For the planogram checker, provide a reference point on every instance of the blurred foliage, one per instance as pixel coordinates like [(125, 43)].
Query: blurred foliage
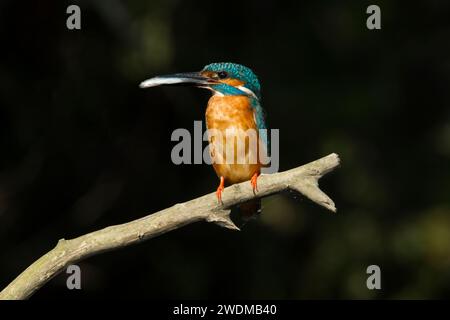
[(82, 147)]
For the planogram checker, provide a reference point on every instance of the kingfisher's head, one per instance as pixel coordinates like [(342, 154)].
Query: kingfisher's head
[(224, 78)]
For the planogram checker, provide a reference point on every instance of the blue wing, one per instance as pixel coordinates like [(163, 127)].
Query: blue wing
[(259, 115)]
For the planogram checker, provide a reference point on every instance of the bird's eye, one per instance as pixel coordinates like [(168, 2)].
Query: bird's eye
[(222, 74)]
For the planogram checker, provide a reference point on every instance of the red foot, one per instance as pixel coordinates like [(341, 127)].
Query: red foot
[(254, 182), (220, 189)]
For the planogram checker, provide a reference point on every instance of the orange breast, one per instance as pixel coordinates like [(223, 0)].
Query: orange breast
[(234, 154)]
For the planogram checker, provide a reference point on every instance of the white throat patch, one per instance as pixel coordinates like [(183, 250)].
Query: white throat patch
[(247, 90)]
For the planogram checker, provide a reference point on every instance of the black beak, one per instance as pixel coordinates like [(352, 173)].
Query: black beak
[(189, 78)]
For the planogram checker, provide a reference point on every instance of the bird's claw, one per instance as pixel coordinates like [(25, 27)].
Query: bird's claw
[(254, 182), (220, 189)]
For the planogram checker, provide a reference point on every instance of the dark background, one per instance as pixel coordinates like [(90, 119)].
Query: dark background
[(82, 147)]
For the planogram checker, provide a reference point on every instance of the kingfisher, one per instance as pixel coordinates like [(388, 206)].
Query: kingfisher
[(233, 109)]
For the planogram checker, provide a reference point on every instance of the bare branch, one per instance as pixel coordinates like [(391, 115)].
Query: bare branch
[(303, 179)]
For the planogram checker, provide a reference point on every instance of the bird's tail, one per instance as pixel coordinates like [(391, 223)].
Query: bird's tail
[(250, 209)]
